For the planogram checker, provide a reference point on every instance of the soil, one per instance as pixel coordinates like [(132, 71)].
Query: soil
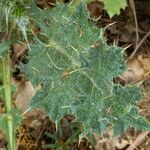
[(37, 131)]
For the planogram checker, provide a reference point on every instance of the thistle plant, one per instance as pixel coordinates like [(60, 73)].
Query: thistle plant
[(72, 63)]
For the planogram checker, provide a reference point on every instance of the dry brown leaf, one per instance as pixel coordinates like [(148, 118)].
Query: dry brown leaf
[(111, 144), (95, 8), (138, 69), (23, 95), (45, 3), (18, 49), (18, 53)]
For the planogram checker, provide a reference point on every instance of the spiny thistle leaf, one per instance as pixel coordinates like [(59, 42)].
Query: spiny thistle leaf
[(76, 77), (113, 6)]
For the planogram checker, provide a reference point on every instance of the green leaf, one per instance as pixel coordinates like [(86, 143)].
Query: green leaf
[(113, 6), (76, 77)]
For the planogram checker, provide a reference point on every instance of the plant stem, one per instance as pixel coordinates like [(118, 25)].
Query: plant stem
[(8, 101)]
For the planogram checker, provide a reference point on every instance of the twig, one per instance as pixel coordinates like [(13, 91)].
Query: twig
[(136, 23), (141, 42), (138, 140)]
